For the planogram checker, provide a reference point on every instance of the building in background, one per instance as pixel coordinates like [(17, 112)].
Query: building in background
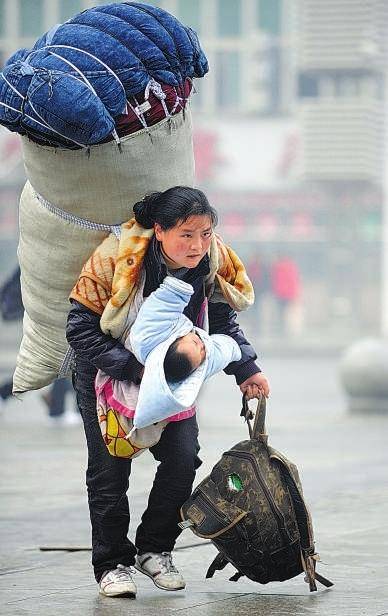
[(248, 43), (289, 144), (303, 178), (341, 58)]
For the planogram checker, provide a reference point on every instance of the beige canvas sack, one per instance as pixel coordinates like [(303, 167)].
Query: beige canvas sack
[(70, 203)]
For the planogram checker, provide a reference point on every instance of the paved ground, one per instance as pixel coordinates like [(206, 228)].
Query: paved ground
[(342, 460)]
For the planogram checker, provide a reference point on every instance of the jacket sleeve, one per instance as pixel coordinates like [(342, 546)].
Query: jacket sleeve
[(159, 316), (222, 320), (84, 335), (221, 351)]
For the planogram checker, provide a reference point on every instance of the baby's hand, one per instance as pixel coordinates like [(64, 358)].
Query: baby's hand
[(254, 386)]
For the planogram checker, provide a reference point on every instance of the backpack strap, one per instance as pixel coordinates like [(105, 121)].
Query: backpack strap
[(236, 577), (258, 429), (217, 564), (308, 555), (309, 564), (324, 581)]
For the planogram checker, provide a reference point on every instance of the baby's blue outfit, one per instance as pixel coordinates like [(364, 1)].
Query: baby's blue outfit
[(159, 323)]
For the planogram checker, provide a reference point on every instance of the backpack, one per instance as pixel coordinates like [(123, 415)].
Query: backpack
[(252, 508)]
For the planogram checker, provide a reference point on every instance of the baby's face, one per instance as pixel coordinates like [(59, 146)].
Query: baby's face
[(192, 346)]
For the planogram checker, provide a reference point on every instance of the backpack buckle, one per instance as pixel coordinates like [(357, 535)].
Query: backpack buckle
[(185, 524)]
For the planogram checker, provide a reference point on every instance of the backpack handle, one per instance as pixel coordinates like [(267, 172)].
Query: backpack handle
[(258, 429)]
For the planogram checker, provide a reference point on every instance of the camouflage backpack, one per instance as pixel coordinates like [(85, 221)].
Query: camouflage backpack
[(252, 508)]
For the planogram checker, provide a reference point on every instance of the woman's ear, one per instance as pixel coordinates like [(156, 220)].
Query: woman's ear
[(158, 231)]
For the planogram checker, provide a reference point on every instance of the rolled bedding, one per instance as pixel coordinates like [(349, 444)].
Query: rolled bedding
[(71, 87)]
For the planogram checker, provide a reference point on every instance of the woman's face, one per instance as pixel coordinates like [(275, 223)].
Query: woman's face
[(188, 241)]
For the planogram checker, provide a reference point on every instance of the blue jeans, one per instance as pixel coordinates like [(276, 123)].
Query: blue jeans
[(107, 483)]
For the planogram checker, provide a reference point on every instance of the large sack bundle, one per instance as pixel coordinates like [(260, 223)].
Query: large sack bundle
[(67, 209), (101, 104)]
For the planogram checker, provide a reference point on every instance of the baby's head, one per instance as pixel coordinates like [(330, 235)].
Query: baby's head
[(183, 357)]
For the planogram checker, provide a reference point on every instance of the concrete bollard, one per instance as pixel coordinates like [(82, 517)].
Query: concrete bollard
[(364, 376)]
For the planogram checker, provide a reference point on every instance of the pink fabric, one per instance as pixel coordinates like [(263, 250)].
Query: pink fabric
[(116, 404), (183, 414), (105, 392), (202, 314)]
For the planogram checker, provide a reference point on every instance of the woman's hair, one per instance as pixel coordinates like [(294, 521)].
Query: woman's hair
[(177, 366), (174, 205)]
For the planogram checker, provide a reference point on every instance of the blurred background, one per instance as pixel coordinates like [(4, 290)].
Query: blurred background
[(289, 146)]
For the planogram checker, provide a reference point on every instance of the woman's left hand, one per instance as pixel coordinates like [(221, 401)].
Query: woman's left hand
[(255, 385)]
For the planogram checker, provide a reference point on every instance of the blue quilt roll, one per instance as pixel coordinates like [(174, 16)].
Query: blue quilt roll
[(69, 88)]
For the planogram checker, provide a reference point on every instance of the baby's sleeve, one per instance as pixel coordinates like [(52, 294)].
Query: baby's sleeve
[(223, 350), (159, 315)]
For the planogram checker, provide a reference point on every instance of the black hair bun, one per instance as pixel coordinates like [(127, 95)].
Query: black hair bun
[(144, 210)]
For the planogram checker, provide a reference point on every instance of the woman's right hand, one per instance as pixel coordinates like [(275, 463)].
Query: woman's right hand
[(255, 385)]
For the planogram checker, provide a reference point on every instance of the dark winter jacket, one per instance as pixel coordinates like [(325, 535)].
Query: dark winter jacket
[(95, 348)]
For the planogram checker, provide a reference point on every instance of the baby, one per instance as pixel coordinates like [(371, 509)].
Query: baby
[(177, 356)]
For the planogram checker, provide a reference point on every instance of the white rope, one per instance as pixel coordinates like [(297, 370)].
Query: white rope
[(157, 90), (139, 114), (43, 123), (83, 77), (82, 145), (12, 87), (26, 115), (91, 56), (178, 100), (86, 80)]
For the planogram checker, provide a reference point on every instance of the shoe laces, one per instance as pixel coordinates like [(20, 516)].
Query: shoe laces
[(122, 572), (165, 561)]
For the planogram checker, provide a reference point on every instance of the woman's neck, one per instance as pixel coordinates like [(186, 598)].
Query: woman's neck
[(172, 265)]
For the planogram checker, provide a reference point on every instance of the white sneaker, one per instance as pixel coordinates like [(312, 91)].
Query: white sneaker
[(118, 583), (161, 569)]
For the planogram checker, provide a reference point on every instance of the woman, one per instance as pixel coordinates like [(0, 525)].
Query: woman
[(180, 242)]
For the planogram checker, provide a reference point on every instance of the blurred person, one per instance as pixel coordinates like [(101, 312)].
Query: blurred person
[(12, 309), (11, 303), (259, 274), (285, 287), (5, 392), (55, 400)]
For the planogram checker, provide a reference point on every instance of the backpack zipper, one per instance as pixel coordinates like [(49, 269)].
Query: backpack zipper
[(206, 504), (273, 506), (212, 508)]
